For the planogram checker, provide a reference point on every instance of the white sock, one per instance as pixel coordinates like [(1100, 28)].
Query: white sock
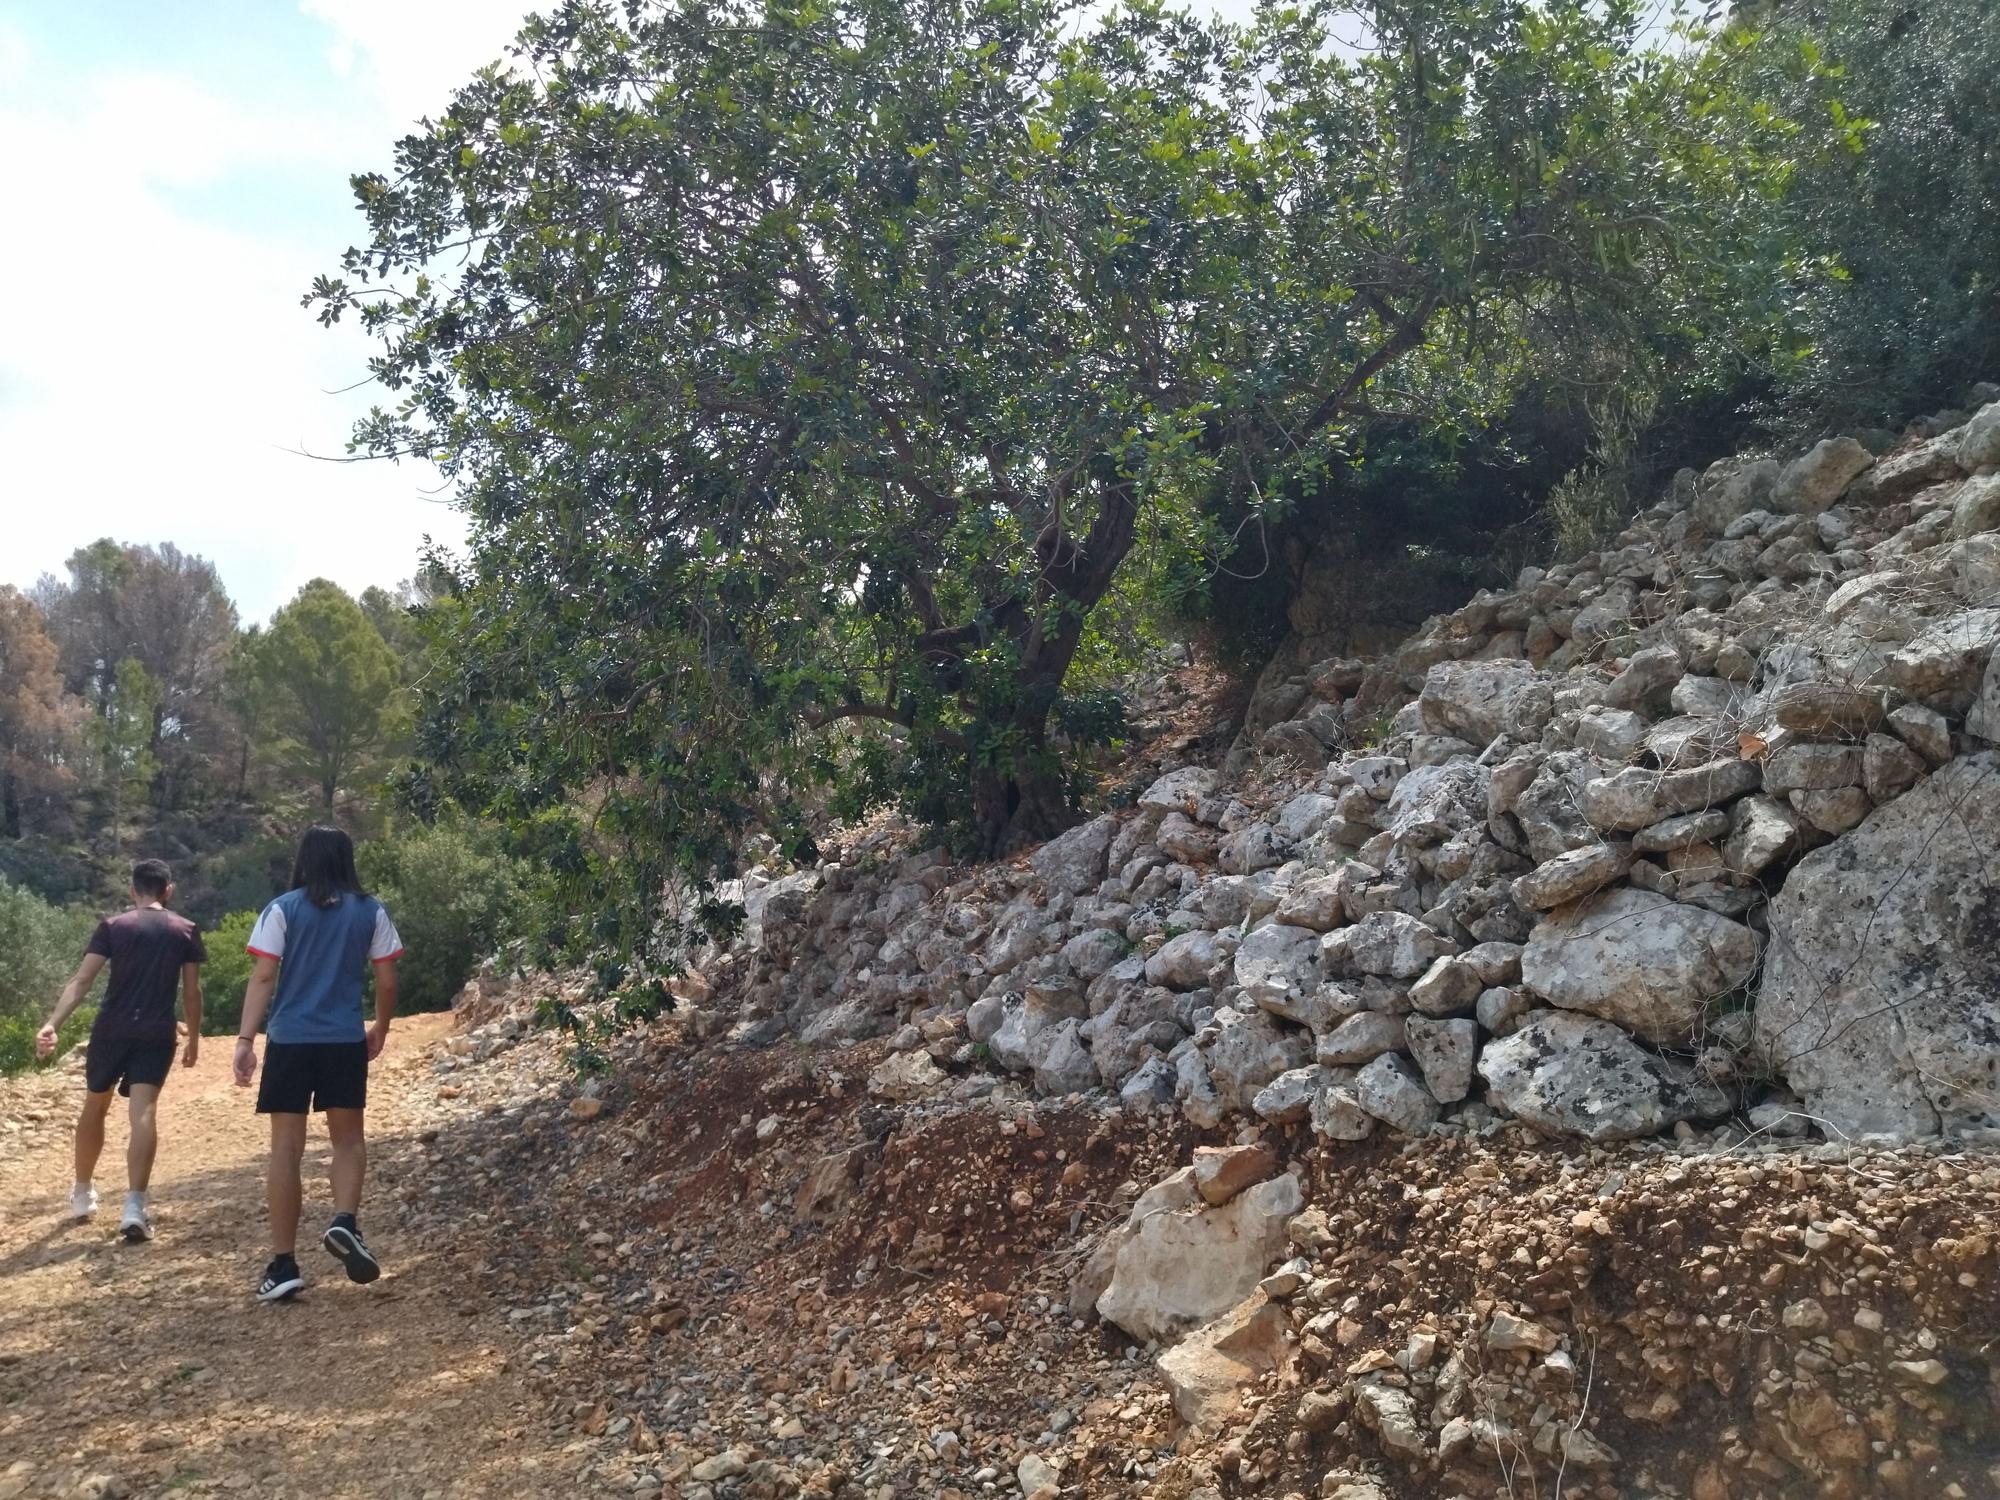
[(135, 1201), (81, 1187)]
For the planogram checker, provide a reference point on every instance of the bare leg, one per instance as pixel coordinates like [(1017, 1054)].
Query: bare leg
[(350, 1158), (90, 1134), (145, 1136), (281, 1185)]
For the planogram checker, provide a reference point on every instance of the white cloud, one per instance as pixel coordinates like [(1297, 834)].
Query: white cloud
[(157, 365), (411, 57)]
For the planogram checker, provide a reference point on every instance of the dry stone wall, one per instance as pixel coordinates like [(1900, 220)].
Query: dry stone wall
[(1705, 824)]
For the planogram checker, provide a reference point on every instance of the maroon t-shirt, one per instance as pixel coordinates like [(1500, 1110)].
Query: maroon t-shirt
[(147, 947)]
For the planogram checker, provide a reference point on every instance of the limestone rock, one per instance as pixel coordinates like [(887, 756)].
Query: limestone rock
[(1573, 1075), (1221, 1172), (1184, 962), (1889, 768), (1359, 1039), (1649, 963), (1338, 1115), (1635, 797), (1881, 995), (1479, 701), (1450, 986), (1186, 791), (1390, 1090), (1278, 960), (1180, 1267), (1208, 1372), (908, 1075), (1813, 482), (1246, 1050), (1073, 862), (1828, 708), (1976, 506), (1943, 666), (1979, 443), (1571, 875), (1393, 945), (1445, 1051)]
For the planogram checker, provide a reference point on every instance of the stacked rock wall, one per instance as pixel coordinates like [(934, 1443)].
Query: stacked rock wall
[(1703, 824)]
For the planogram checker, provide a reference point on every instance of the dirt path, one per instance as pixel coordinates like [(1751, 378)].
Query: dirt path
[(150, 1370)]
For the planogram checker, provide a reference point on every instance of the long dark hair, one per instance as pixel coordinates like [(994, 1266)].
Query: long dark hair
[(324, 866)]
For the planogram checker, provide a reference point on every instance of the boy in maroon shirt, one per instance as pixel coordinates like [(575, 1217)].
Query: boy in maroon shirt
[(152, 952)]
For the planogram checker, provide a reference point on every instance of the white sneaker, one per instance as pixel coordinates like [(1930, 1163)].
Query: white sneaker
[(134, 1224), (82, 1201)]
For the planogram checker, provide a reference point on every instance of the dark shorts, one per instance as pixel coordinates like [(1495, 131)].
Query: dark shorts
[(300, 1076), (109, 1059)]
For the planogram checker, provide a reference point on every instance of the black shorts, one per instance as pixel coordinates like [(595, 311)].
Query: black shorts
[(313, 1075), (109, 1059)]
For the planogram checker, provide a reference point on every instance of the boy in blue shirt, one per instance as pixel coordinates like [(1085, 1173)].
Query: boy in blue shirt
[(314, 946)]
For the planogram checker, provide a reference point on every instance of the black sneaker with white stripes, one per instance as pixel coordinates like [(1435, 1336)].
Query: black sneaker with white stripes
[(344, 1243), (282, 1280)]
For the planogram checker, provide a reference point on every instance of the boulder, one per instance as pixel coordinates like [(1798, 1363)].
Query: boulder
[(1805, 766), (1573, 1075), (1338, 1115), (1208, 1372), (903, 1076), (1982, 720), (1184, 962), (1682, 831), (1812, 482), (1943, 666), (1734, 487), (1979, 443), (1445, 1051), (1221, 1172), (1571, 875), (1073, 862), (1450, 986), (1246, 1050), (1390, 1090), (1636, 797), (1359, 1039), (1287, 1099), (1880, 1004), (1186, 791), (1278, 961), (1889, 767), (1762, 832), (1903, 474), (1828, 709), (1178, 1266), (1393, 945), (1092, 952), (1976, 506), (1480, 701), (1254, 847), (1651, 964)]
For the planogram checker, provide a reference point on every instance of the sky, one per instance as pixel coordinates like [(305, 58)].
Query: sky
[(177, 174)]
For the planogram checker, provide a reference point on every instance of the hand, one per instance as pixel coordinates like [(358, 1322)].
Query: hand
[(45, 1042), (192, 1050), (246, 1061), (378, 1038)]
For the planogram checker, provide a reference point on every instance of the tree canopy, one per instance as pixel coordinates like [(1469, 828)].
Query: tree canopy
[(813, 368), (327, 688)]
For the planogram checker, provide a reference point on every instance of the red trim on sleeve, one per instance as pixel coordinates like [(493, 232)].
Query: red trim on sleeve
[(385, 958), (260, 953)]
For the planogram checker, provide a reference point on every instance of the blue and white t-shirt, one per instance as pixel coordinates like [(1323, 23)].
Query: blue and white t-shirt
[(323, 954)]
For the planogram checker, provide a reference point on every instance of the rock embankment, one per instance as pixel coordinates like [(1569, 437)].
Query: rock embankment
[(1695, 829)]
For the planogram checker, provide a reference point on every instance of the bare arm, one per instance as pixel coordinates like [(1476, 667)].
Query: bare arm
[(385, 1005), (72, 996), (191, 1012), (256, 1000)]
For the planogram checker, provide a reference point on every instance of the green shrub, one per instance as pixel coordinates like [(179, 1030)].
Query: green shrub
[(455, 896), (226, 973), (42, 945), (17, 1038)]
